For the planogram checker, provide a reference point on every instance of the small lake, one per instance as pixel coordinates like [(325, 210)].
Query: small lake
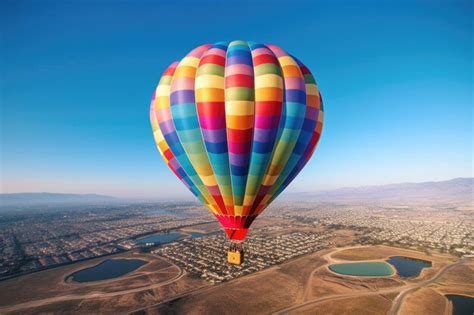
[(365, 269), (108, 269), (408, 267), (462, 305), (159, 238), (168, 237)]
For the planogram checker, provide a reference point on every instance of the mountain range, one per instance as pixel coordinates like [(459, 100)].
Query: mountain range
[(52, 199), (458, 190), (455, 190)]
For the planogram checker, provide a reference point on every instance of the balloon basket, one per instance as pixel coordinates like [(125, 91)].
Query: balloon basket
[(235, 254)]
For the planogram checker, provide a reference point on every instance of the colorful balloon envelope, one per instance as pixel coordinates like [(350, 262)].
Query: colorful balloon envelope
[(236, 122)]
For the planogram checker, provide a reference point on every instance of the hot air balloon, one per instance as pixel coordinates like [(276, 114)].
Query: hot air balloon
[(236, 122)]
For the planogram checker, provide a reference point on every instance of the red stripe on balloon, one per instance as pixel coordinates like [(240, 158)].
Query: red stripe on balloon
[(211, 108), (239, 135), (268, 108), (264, 58), (214, 59), (239, 80), (168, 154)]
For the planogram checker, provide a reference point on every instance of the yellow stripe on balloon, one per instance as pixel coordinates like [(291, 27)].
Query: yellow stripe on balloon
[(311, 89), (268, 81), (269, 94), (209, 81), (210, 95), (240, 108), (189, 61), (185, 71)]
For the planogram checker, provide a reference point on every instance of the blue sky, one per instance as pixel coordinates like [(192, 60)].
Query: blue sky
[(77, 77)]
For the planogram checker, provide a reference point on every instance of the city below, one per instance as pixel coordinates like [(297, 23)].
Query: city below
[(180, 252), (44, 240)]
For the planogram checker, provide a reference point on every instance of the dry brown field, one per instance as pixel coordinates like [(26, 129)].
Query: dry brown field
[(459, 280), (365, 305), (51, 291), (301, 286), (326, 283), (424, 301), (261, 293)]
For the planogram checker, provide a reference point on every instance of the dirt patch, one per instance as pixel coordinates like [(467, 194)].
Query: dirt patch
[(326, 283), (262, 293), (424, 301), (367, 305)]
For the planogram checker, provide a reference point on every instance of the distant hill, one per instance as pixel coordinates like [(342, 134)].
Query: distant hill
[(458, 189), (51, 199)]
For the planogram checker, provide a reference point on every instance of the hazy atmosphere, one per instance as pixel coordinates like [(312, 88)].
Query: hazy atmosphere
[(396, 81)]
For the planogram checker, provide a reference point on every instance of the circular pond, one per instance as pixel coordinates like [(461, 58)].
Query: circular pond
[(408, 267), (363, 269), (108, 269)]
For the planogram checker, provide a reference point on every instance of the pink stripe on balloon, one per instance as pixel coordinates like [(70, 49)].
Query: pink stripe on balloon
[(238, 69), (277, 50), (216, 51), (182, 83), (163, 115), (259, 51), (294, 83)]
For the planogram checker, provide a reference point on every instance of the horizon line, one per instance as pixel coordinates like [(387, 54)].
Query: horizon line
[(191, 198)]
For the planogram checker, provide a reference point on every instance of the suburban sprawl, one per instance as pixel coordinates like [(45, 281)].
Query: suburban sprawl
[(57, 237)]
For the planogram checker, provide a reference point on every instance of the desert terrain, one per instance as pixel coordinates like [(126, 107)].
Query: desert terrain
[(300, 286)]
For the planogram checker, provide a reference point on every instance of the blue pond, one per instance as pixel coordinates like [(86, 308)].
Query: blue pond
[(408, 267), (108, 269), (167, 237), (462, 305), (159, 238)]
